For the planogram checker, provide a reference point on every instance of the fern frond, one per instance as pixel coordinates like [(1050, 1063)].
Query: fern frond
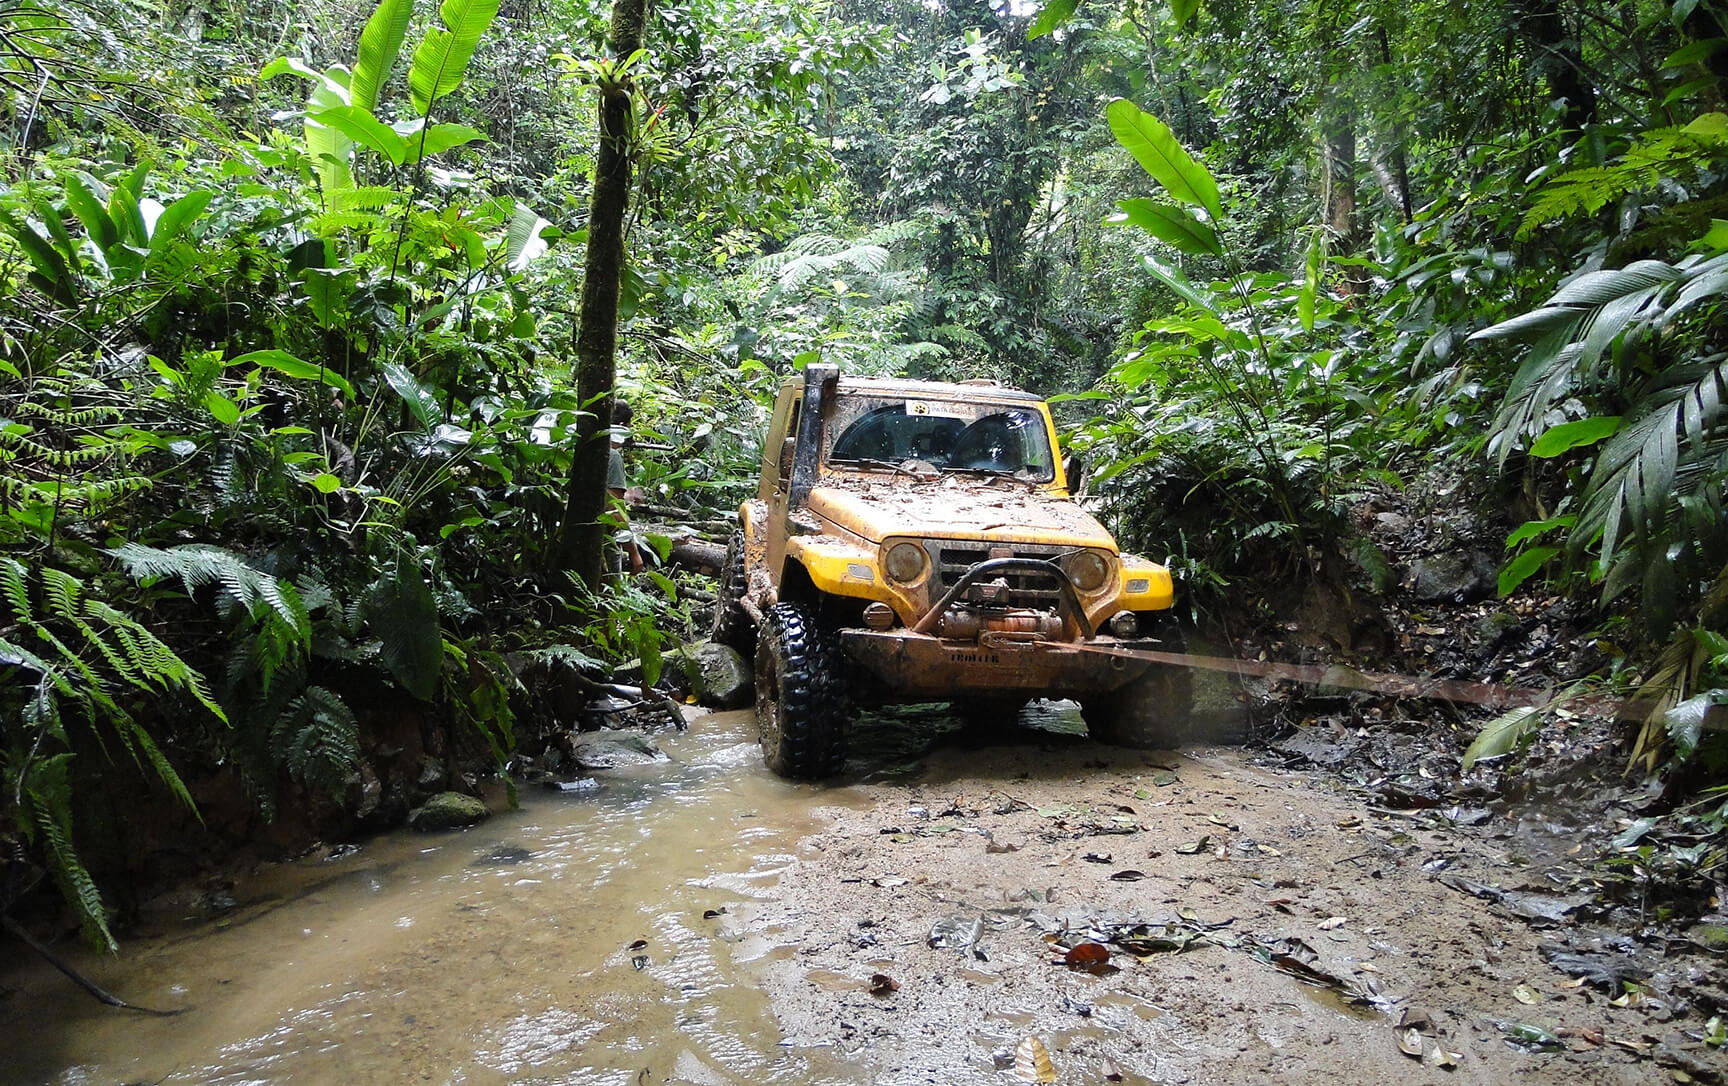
[(47, 792)]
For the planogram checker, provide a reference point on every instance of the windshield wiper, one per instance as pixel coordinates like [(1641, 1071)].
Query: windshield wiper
[(908, 466)]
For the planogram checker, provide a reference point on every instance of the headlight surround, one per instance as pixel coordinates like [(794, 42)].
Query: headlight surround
[(1089, 571), (904, 562)]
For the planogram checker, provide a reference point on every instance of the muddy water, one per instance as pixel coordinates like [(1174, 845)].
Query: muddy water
[(584, 938)]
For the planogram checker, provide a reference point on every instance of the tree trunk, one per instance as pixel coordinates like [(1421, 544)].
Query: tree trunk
[(1560, 60), (582, 540), (1390, 162), (1340, 151)]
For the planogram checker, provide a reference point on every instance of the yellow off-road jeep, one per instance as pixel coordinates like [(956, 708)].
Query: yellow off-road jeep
[(914, 541)]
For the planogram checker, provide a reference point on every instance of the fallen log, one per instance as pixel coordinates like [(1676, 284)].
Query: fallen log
[(699, 555)]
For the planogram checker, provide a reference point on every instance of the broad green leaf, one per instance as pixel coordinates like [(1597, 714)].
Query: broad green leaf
[(1530, 529), (1695, 52), (422, 404), (1173, 278), (222, 409), (1183, 11), (125, 207), (1500, 735), (524, 243), (55, 276), (1055, 13), (326, 483), (1570, 435), (1601, 287), (1310, 291), (359, 125), (1158, 151), (176, 219), (1709, 126), (442, 58), (329, 148), (439, 138), (1174, 226), (1717, 237), (91, 213), (1530, 325), (1521, 568), (55, 221), (285, 363), (380, 43)]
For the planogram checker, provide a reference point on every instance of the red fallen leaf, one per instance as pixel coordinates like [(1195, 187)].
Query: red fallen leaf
[(883, 984), (1092, 957)]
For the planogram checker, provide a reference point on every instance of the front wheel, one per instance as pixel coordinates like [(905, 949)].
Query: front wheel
[(732, 625), (800, 695), (1152, 712)]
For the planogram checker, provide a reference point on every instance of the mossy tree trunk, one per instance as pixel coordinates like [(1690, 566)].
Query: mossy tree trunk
[(582, 540)]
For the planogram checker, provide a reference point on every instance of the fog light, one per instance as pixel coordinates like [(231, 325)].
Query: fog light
[(879, 616), (904, 562), (1088, 571), (1124, 624)]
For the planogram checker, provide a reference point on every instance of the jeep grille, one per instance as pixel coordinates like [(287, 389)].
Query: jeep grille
[(952, 558)]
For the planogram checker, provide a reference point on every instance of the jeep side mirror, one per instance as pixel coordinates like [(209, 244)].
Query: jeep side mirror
[(1073, 470)]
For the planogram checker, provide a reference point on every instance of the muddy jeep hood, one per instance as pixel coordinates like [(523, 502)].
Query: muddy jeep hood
[(955, 507)]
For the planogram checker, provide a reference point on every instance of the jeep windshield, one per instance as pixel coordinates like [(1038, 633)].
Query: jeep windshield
[(884, 433)]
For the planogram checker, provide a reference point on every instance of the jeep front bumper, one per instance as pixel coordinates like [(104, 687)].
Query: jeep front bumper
[(909, 666)]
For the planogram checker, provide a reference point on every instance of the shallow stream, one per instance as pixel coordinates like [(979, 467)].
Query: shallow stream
[(589, 937)]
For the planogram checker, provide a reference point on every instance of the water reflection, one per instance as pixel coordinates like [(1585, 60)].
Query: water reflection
[(503, 954)]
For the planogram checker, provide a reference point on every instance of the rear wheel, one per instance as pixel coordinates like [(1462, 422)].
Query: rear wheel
[(732, 625), (801, 712), (1155, 710)]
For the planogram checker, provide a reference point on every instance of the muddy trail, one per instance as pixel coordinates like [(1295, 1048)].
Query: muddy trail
[(1021, 905)]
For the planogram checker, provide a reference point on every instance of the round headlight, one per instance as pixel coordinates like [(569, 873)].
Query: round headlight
[(904, 562), (1088, 571)]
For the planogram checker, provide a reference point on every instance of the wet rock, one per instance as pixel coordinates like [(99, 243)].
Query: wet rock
[(1321, 746), (363, 792), (431, 774), (448, 810), (1453, 576), (614, 749), (723, 678), (1496, 627), (1681, 1054)]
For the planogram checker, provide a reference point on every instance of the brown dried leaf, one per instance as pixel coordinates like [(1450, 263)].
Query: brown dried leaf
[(1032, 1062), (1410, 1042), (883, 984), (1526, 995)]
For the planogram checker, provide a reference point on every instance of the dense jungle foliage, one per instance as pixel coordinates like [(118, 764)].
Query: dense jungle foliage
[(289, 401)]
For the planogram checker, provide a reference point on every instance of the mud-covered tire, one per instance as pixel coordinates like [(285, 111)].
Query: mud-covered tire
[(732, 625), (801, 713), (1151, 712)]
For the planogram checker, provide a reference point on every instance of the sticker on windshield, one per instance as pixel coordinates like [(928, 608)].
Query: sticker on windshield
[(928, 409)]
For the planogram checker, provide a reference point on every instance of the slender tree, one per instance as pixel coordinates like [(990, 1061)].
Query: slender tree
[(583, 538)]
